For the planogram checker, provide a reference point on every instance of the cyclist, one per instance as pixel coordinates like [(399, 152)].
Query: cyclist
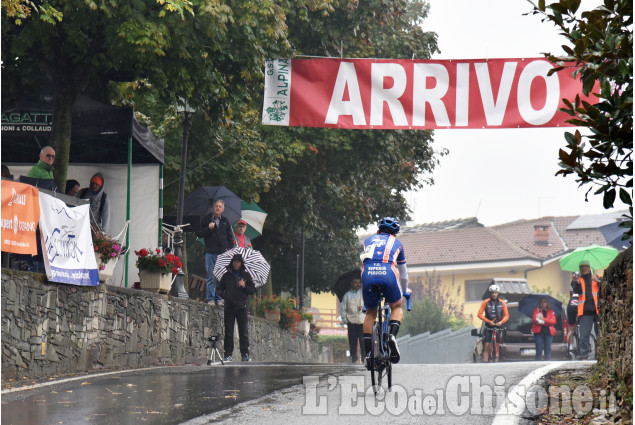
[(493, 312), (384, 264)]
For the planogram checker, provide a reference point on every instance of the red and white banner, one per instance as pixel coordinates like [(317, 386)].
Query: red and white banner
[(416, 94)]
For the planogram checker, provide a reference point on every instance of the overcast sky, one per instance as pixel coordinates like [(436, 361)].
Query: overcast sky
[(497, 175)]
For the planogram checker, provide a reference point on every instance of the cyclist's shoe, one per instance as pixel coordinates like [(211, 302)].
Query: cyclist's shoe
[(369, 362), (227, 359), (394, 349)]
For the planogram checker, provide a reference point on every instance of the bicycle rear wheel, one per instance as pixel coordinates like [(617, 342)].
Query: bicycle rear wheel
[(389, 374), (376, 356)]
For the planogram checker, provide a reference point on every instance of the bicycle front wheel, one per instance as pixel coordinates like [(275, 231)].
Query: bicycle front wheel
[(573, 346), (593, 347)]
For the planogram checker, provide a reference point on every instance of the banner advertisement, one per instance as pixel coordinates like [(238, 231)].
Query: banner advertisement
[(20, 214), (67, 246), (417, 94)]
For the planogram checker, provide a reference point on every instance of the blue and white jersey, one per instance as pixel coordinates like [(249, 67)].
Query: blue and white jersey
[(383, 248)]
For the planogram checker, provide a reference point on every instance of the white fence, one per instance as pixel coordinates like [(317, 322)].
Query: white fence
[(445, 346)]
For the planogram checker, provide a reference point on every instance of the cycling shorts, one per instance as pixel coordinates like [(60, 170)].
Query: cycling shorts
[(487, 335), (381, 274)]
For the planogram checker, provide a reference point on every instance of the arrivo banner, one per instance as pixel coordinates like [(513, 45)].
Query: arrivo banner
[(417, 94), (20, 215)]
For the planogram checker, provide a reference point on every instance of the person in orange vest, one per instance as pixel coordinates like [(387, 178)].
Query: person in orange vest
[(587, 307)]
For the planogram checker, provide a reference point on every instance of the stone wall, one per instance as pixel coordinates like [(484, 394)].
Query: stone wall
[(49, 328), (615, 347)]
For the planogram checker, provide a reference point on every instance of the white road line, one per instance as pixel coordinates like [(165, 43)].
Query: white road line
[(96, 375), (510, 415), (61, 381)]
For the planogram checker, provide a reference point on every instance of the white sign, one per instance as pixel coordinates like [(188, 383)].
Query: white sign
[(67, 245)]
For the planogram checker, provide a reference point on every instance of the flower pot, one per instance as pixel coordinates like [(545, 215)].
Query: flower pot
[(108, 271), (155, 281), (274, 316), (303, 327)]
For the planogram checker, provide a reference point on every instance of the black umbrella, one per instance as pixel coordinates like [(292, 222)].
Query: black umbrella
[(200, 202), (528, 304), (343, 283)]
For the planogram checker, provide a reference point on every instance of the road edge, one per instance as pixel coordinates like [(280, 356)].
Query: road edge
[(503, 415)]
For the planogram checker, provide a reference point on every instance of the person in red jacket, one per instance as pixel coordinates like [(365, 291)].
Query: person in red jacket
[(543, 328)]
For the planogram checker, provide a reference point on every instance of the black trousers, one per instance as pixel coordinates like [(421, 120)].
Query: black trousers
[(355, 335), (233, 315)]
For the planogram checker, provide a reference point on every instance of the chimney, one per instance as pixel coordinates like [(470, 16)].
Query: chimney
[(541, 234)]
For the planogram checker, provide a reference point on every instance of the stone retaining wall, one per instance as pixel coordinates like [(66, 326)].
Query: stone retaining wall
[(615, 356), (49, 328)]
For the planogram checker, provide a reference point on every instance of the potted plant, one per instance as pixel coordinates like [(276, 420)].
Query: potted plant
[(156, 269), (305, 322), (268, 307), (107, 250)]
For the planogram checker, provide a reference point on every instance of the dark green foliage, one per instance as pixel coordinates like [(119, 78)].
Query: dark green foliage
[(601, 45)]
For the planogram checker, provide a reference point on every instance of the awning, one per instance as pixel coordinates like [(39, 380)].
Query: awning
[(99, 134)]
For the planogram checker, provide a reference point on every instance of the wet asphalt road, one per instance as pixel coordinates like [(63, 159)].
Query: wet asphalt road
[(158, 396), (280, 394)]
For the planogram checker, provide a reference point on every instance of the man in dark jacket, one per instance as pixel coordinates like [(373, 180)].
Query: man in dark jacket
[(235, 287), (218, 236)]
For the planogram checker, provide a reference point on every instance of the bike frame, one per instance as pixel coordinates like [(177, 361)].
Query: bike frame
[(380, 356), (494, 344)]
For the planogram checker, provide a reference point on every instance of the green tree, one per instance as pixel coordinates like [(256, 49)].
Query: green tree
[(602, 51), (334, 182), (190, 49), (427, 316)]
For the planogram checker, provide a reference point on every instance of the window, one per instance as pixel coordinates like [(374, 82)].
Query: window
[(474, 289)]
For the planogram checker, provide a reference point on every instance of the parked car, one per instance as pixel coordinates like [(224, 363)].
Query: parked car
[(518, 340)]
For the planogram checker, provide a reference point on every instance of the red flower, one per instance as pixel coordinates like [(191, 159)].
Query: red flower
[(158, 250), (175, 270), (161, 263)]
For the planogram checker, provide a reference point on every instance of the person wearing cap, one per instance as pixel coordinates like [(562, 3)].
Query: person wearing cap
[(44, 167), (240, 240), (99, 203), (587, 307), (235, 287)]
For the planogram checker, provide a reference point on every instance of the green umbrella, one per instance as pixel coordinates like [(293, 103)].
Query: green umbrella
[(598, 256), (255, 218)]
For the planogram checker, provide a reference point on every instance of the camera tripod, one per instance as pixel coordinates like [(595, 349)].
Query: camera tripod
[(215, 352)]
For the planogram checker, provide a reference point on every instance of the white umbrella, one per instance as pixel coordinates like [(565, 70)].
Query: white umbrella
[(255, 264)]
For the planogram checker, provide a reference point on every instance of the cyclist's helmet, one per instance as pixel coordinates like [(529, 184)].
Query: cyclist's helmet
[(389, 225), (494, 288)]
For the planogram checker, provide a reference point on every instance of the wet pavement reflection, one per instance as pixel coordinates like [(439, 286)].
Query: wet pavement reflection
[(158, 396)]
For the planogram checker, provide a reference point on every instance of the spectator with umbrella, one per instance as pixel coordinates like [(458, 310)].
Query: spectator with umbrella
[(235, 286), (542, 309), (353, 316), (544, 320), (218, 236)]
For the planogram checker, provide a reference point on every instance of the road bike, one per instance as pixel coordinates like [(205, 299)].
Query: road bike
[(573, 344), (494, 349), (380, 364)]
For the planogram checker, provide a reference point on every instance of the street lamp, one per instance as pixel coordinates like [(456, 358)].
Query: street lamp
[(178, 289)]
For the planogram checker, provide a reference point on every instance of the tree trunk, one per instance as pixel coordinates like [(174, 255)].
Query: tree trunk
[(61, 132)]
